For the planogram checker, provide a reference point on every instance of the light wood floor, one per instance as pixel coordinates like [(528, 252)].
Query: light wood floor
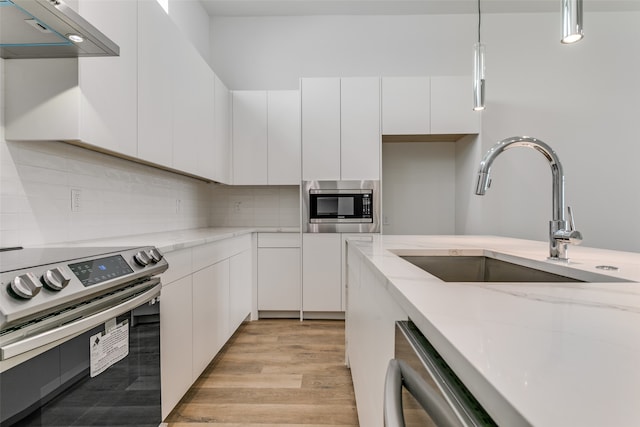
[(274, 373)]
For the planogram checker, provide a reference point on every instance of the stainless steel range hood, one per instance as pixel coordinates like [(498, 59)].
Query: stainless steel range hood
[(42, 28)]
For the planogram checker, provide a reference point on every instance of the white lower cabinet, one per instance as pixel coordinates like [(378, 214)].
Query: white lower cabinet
[(324, 272), (210, 313), (279, 287), (240, 288), (206, 294), (321, 272), (176, 345), (370, 332)]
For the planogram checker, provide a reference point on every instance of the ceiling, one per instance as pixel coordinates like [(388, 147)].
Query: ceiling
[(399, 7)]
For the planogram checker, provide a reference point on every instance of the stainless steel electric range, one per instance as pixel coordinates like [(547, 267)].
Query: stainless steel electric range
[(80, 336)]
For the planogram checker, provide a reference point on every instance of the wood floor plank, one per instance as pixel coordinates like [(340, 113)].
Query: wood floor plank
[(275, 372), (268, 413), (252, 381), (332, 396)]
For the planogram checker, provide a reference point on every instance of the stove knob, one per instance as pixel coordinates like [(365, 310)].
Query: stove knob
[(55, 279), (155, 256), (26, 285), (142, 259)]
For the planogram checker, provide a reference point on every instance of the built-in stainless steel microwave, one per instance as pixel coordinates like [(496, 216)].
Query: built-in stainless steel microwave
[(341, 206)]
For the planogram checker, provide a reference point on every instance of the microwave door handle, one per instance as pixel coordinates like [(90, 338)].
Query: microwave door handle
[(399, 374)]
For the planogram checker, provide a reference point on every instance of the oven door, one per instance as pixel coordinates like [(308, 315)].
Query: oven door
[(100, 369)]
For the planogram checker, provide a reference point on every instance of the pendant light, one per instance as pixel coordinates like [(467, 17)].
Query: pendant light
[(571, 21), (478, 70)]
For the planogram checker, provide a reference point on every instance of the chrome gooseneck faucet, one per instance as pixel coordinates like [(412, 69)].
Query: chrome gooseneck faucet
[(561, 233)]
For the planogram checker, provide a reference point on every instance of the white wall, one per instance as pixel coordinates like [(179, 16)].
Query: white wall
[(274, 52), (580, 99), (421, 177), (191, 17)]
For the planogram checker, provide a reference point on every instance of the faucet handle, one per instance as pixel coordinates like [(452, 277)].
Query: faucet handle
[(572, 225), (570, 235)]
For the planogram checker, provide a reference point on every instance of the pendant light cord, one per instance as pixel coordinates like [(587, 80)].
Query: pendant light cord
[(479, 21)]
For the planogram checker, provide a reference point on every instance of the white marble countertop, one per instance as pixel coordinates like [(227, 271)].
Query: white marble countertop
[(169, 241), (542, 354)]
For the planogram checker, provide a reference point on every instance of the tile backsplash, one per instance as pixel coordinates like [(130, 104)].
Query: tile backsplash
[(255, 206), (53, 192), (112, 197)]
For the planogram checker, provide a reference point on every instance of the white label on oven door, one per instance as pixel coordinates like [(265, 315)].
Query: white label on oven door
[(109, 347)]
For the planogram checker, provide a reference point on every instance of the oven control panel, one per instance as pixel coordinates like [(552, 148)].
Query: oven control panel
[(34, 291)]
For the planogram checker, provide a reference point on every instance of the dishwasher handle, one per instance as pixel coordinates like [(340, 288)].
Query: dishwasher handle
[(399, 374)]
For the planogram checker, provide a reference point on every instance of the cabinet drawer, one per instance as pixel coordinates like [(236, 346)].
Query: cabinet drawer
[(211, 253), (179, 266), (278, 240)]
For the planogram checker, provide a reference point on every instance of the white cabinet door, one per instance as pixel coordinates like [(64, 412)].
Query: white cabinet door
[(360, 128), (155, 125), (283, 137), (452, 106), (370, 329), (108, 105), (175, 342), (193, 112), (321, 272), (249, 137), (210, 288), (240, 289), (320, 99), (279, 286), (222, 135), (42, 99), (205, 148), (406, 106)]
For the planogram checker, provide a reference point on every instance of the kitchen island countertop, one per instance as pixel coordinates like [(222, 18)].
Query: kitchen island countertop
[(542, 354)]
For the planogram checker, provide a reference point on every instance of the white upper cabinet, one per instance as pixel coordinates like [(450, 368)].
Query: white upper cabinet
[(222, 132), (341, 128), (360, 128), (266, 137), (108, 105), (451, 106), (249, 137), (428, 105), (193, 112), (406, 106), (156, 36), (283, 108), (153, 103), (320, 99), (92, 100)]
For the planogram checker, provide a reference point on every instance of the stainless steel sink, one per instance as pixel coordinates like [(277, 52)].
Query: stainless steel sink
[(487, 269)]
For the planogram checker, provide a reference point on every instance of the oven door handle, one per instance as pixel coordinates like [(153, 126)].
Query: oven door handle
[(77, 327)]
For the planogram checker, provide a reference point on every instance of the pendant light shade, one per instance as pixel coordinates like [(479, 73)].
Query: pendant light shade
[(571, 21), (478, 76)]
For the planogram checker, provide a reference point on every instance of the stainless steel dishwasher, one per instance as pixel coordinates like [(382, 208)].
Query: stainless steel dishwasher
[(421, 389)]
